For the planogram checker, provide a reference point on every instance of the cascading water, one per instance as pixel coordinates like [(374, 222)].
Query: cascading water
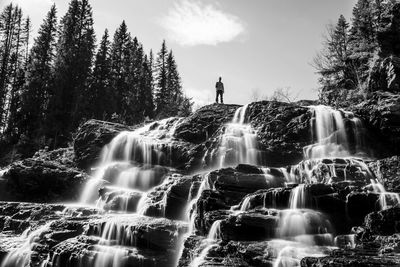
[(133, 164), (22, 255), (209, 243), (331, 135), (386, 199), (238, 143), (132, 160), (130, 166)]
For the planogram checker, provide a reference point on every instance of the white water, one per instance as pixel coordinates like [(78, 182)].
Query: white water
[(209, 243), (329, 132), (238, 143), (298, 197), (21, 256), (386, 199), (119, 165), (127, 167)]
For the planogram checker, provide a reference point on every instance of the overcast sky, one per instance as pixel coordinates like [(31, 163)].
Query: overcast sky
[(255, 45)]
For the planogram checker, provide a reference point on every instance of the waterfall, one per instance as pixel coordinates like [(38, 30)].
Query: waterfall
[(130, 161), (191, 208), (386, 199), (215, 231), (22, 256), (238, 143), (131, 177), (330, 134), (298, 197), (209, 243)]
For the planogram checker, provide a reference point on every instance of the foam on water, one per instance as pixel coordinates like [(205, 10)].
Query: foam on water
[(22, 255)]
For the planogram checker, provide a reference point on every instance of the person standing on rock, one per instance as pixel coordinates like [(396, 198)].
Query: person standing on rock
[(219, 86)]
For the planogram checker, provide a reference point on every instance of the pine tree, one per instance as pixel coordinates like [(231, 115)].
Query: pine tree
[(174, 87), (100, 92), (75, 49), (19, 63), (120, 58), (6, 36), (12, 59), (130, 105), (178, 104), (145, 92), (161, 94), (334, 62), (36, 93)]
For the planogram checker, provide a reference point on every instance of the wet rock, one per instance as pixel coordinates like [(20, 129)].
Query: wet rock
[(381, 115), (91, 137), (169, 199), (119, 200), (142, 231), (388, 172), (354, 259), (84, 250), (39, 180), (235, 184), (271, 198), (250, 226), (385, 222), (283, 129), (245, 253), (331, 171), (347, 258), (17, 217), (191, 244), (198, 127), (250, 169), (360, 204)]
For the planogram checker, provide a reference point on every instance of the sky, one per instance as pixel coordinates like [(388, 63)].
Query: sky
[(256, 46)]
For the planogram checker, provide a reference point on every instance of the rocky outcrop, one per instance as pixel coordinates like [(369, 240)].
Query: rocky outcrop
[(381, 115), (41, 180), (388, 172), (352, 258), (200, 126), (170, 198), (91, 137), (66, 236), (283, 129), (385, 71), (385, 222)]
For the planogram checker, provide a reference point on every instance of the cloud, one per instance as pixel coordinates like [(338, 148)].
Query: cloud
[(190, 23)]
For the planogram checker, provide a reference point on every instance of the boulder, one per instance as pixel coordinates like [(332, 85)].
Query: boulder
[(203, 123), (83, 250), (170, 199), (351, 259), (381, 116), (234, 184), (146, 232), (42, 180), (90, 139), (250, 226), (388, 172), (385, 222), (283, 129)]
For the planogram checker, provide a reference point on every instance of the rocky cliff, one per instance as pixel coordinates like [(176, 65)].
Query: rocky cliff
[(268, 183)]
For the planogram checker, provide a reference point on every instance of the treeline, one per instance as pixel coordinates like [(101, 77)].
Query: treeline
[(47, 90), (351, 49)]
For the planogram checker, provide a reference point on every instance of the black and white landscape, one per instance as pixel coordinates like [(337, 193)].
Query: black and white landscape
[(107, 162)]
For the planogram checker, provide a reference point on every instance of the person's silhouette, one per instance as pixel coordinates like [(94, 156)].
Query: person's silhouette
[(219, 87)]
